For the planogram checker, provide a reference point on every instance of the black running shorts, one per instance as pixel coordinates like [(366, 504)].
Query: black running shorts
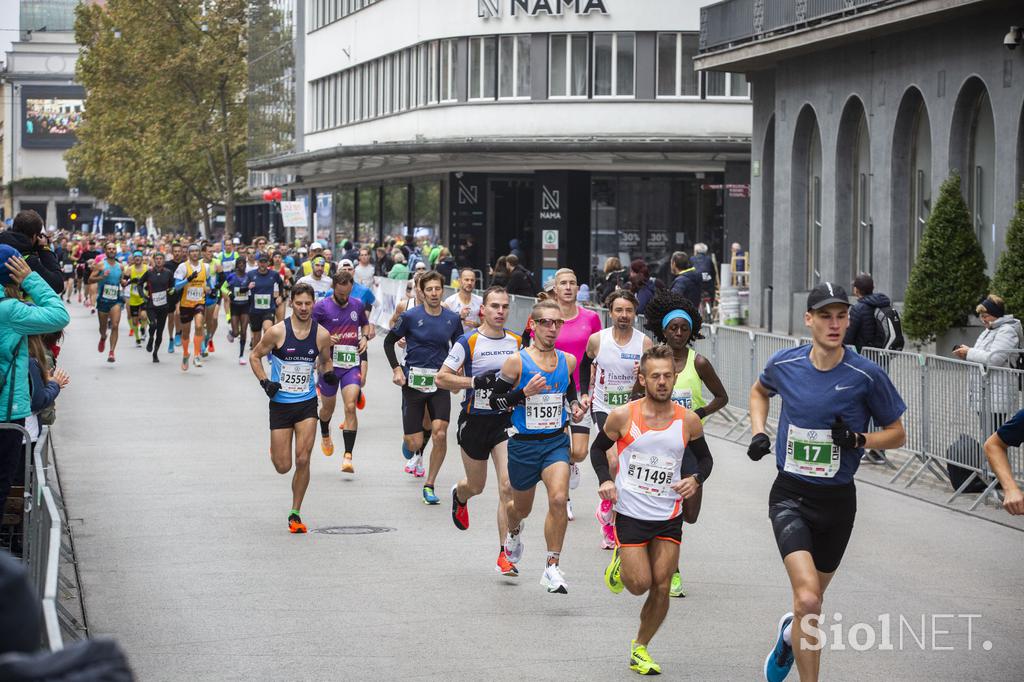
[(256, 320), (630, 532), (239, 309), (287, 415), (814, 518), (186, 314), (479, 433), (438, 404)]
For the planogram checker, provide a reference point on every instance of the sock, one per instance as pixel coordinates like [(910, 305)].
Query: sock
[(787, 635), (293, 512), (350, 439), (325, 427), (197, 344), (553, 558), (241, 345)]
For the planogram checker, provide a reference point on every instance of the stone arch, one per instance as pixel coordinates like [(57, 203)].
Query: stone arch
[(972, 150), (854, 229), (911, 183), (806, 193)]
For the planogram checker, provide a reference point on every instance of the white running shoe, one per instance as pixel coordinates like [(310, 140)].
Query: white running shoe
[(410, 466), (554, 580), (568, 510), (574, 476), (514, 544)]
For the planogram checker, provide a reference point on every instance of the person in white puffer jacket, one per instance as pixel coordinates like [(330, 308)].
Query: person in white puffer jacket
[(996, 348)]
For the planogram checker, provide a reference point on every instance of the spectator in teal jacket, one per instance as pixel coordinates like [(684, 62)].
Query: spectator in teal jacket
[(19, 320)]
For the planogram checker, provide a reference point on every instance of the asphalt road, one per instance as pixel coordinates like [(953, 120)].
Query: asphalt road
[(179, 520)]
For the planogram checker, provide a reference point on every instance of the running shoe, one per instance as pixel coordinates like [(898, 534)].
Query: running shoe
[(460, 512), (197, 360), (170, 345), (138, 342), (420, 472), (346, 464), (295, 524), (184, 363), (149, 344), (554, 581), (209, 347), (203, 352), (177, 339), (243, 361), (611, 574), (102, 344), (110, 356), (514, 544), (607, 536), (410, 466), (676, 588), (361, 402), (780, 658), (155, 358), (407, 453), (604, 512), (429, 497), (326, 445), (231, 336), (568, 510), (506, 567), (574, 475), (641, 661), (131, 332)]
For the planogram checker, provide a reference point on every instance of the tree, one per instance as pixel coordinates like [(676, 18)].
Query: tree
[(165, 118), (948, 278), (1009, 279)]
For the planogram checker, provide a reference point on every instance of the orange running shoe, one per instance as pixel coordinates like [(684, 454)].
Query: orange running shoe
[(131, 332), (295, 524), (361, 403), (346, 464), (506, 567), (326, 444)]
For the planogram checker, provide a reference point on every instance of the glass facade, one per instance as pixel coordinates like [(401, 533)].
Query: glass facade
[(369, 214), (323, 12), (396, 210), (271, 62), (344, 215), (53, 15)]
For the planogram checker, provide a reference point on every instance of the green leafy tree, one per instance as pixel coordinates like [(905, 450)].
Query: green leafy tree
[(1009, 279), (948, 278)]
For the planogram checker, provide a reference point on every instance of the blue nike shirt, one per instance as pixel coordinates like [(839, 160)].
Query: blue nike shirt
[(856, 389), (427, 337)]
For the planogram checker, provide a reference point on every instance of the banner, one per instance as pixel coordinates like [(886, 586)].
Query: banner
[(293, 213), (388, 292)]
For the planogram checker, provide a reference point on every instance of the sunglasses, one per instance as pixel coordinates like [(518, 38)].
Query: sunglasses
[(547, 322)]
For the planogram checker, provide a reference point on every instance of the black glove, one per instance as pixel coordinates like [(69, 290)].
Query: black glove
[(845, 437), (760, 445), (271, 387), (701, 412), (330, 378), (194, 274), (486, 381)]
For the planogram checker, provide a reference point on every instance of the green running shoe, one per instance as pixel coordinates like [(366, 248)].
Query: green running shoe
[(611, 574), (641, 661), (676, 588)]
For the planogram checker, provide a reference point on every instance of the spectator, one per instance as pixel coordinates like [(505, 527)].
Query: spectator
[(866, 330), (705, 267), (686, 280), (995, 348), (500, 273), (17, 321), (46, 385), (615, 277), (520, 280), (26, 236), (445, 265), (1010, 434), (513, 248), (364, 270), (642, 284), (399, 270)]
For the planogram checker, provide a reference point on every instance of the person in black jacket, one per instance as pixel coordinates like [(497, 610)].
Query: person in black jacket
[(26, 235), (864, 330), (687, 280), (520, 280)]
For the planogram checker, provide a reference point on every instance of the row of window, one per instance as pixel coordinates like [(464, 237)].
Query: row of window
[(323, 12), (580, 65)]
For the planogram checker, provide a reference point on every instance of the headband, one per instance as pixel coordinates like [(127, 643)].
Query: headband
[(993, 308), (676, 315)]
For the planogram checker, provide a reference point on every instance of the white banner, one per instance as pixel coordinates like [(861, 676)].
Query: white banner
[(293, 213), (388, 292)]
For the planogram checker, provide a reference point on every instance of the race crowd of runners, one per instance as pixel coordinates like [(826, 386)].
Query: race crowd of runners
[(533, 404)]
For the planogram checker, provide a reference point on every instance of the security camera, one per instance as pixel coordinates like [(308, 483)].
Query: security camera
[(1013, 38)]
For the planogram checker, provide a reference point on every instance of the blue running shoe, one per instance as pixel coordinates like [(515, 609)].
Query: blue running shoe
[(780, 658), (429, 497), (170, 345), (177, 340), (406, 452)]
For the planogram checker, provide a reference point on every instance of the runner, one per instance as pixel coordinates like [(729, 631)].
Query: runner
[(829, 395), (265, 287), (482, 430), (411, 299), (156, 286), (108, 276), (648, 491), (364, 294), (137, 320), (615, 352), (322, 285), (430, 330), (66, 259), (536, 383), (214, 280), (236, 300), (86, 261), (295, 346), (277, 265), (173, 298), (464, 302), (345, 320), (191, 279)]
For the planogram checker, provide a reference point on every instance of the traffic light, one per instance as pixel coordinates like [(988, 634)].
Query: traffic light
[(73, 215)]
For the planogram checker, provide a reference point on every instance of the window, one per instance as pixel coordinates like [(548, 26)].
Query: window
[(369, 214), (613, 64), (569, 71), (676, 76), (481, 68), (514, 67), (396, 210), (814, 219), (325, 12), (721, 84)]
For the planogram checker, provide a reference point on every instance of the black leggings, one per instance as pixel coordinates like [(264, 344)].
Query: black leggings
[(157, 322)]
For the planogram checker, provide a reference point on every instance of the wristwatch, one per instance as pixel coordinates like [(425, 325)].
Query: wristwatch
[(697, 478)]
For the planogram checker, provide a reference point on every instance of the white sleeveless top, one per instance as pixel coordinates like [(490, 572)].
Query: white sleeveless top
[(650, 460), (615, 370)]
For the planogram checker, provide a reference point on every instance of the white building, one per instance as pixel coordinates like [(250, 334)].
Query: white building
[(577, 123)]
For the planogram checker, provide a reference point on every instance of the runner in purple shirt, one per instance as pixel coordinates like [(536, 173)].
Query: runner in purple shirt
[(344, 317)]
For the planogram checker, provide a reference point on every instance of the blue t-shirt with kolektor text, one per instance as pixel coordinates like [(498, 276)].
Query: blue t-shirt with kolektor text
[(856, 389), (427, 337)]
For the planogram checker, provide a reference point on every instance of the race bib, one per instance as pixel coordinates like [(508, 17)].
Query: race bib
[(261, 301), (683, 396), (69, 268), (422, 379), (159, 298), (544, 411), (194, 294), (648, 474), (616, 395), (296, 377), (111, 292), (811, 452), (345, 357), (241, 295), (482, 399)]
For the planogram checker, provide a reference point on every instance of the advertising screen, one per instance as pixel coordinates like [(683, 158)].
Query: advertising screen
[(51, 116)]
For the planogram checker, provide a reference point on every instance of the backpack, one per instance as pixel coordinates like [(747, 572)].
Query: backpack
[(888, 321)]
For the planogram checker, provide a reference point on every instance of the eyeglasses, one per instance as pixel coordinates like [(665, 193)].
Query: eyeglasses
[(546, 322)]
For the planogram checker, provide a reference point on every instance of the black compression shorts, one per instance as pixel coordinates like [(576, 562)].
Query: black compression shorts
[(479, 433), (814, 518), (438, 404), (287, 415), (630, 532), (256, 320)]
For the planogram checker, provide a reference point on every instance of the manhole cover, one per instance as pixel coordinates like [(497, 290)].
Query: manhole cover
[(353, 530)]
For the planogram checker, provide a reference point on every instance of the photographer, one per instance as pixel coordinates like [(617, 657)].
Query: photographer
[(26, 236)]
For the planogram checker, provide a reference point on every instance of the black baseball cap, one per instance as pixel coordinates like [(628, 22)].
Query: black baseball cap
[(825, 294)]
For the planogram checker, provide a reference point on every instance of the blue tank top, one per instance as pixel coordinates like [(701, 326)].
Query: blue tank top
[(544, 412), (109, 288), (292, 365)]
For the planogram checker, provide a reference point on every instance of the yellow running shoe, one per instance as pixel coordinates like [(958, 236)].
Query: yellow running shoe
[(346, 464), (641, 661), (611, 574), (326, 444)]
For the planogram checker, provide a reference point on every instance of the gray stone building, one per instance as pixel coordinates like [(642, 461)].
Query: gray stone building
[(861, 110)]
